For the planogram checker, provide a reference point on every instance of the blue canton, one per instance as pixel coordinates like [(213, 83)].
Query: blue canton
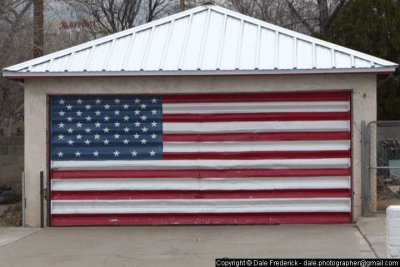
[(106, 127)]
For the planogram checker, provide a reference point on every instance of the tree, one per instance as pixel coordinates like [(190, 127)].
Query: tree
[(316, 16), (15, 46), (308, 16), (110, 16), (373, 27)]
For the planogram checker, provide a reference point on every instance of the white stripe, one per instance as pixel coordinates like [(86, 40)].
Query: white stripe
[(200, 206), (214, 164), (268, 183), (256, 146), (264, 126), (254, 107)]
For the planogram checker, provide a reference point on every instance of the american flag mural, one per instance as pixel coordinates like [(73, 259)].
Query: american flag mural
[(200, 158)]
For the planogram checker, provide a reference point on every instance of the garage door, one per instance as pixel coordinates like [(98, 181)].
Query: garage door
[(200, 158)]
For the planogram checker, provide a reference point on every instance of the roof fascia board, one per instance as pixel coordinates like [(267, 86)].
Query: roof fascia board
[(26, 75)]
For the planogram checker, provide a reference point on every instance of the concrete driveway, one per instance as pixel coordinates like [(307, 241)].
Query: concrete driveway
[(177, 245)]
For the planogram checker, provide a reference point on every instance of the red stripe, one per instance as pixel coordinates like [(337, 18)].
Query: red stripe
[(278, 136), (259, 155), (199, 173), (191, 194), (257, 97), (228, 218), (278, 116)]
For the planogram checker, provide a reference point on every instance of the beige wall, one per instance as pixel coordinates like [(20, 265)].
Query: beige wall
[(36, 90)]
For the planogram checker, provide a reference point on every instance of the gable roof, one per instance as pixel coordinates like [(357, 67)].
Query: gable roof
[(206, 40)]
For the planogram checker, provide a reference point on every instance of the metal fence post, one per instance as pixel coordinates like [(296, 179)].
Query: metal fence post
[(41, 200), (363, 169), (23, 199)]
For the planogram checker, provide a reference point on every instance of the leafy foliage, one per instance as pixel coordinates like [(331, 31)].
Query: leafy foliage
[(373, 27)]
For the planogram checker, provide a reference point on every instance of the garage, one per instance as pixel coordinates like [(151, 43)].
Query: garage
[(180, 122)]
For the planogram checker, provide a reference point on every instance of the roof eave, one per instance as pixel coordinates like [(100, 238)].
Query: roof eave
[(13, 75)]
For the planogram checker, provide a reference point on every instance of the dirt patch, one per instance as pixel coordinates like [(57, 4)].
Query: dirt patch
[(387, 196), (12, 216)]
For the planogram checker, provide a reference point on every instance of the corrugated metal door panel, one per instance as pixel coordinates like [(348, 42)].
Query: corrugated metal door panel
[(201, 158)]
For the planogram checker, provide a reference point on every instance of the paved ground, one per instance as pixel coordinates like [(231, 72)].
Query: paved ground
[(374, 231), (177, 245)]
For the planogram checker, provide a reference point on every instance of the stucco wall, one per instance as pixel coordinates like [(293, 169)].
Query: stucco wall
[(36, 91)]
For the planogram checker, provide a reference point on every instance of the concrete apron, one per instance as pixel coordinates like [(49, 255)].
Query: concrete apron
[(182, 245)]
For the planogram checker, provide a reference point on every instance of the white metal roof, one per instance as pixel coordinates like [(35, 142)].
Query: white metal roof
[(206, 40)]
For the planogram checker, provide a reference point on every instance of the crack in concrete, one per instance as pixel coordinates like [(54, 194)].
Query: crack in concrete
[(367, 241)]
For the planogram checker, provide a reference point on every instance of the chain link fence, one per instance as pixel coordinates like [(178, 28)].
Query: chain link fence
[(382, 167)]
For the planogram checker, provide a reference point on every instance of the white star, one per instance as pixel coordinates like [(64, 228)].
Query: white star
[(79, 113), (117, 124), (88, 106), (87, 142), (98, 101), (69, 107), (97, 136), (136, 136), (88, 130), (79, 101), (106, 142), (143, 141), (77, 154), (88, 118), (117, 100), (60, 154), (126, 129), (143, 118), (126, 141), (70, 130), (154, 112), (60, 137), (137, 112), (79, 137), (61, 113), (137, 124), (62, 101), (143, 106), (154, 100), (116, 112), (126, 106), (152, 153), (69, 119), (97, 124), (116, 153), (134, 153), (96, 154), (106, 130), (107, 106), (79, 125), (153, 136), (70, 142), (126, 118), (116, 136), (61, 125), (137, 100), (144, 129), (154, 124), (98, 112), (106, 118)]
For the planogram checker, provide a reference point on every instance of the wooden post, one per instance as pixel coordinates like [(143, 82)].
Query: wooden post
[(181, 5), (38, 29)]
